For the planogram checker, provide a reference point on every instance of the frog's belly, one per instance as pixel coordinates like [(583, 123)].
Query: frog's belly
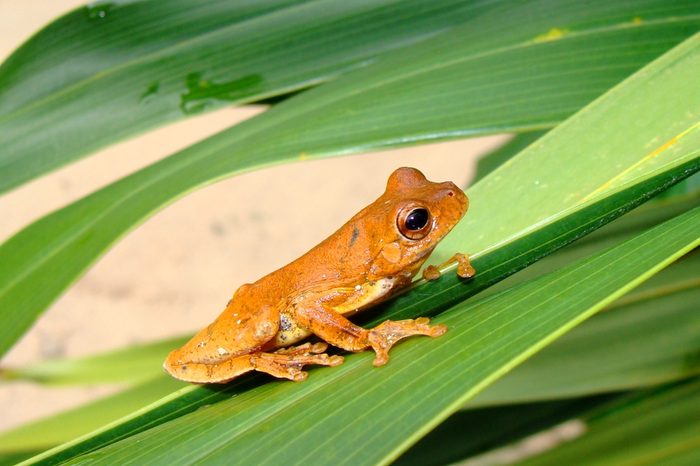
[(356, 299)]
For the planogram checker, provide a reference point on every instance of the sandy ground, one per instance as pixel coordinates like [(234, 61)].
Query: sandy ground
[(171, 274)]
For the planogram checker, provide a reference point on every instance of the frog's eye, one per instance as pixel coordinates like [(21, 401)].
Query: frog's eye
[(414, 223)]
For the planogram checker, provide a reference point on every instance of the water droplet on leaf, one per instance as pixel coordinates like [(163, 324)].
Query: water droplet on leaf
[(202, 93), (98, 10)]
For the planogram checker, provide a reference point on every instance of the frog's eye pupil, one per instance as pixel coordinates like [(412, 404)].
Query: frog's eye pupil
[(414, 222), (417, 219)]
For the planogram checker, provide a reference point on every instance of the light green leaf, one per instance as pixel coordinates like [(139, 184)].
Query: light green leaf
[(133, 364), (652, 213), (370, 108), (486, 339), (495, 159), (650, 337), (73, 423)]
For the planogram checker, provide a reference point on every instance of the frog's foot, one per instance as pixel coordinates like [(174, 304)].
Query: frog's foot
[(385, 335), (287, 363), (464, 267)]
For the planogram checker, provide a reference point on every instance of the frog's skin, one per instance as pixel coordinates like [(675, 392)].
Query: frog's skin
[(364, 262)]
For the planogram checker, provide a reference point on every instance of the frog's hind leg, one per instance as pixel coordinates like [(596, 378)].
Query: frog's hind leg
[(286, 363)]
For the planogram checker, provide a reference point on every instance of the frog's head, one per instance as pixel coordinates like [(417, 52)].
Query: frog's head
[(417, 215)]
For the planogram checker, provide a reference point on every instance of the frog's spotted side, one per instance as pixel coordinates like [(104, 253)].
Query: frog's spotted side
[(377, 252)]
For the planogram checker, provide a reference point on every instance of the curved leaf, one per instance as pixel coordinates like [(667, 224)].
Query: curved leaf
[(425, 299), (492, 337), (133, 364), (445, 100), (72, 423), (642, 342), (113, 69)]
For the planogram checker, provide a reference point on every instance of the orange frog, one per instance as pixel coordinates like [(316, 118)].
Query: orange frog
[(369, 258)]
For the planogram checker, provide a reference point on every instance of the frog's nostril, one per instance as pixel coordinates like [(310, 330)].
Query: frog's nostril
[(450, 193)]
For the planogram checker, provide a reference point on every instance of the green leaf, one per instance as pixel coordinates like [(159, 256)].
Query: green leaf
[(159, 61), (110, 70), (193, 398), (656, 427), (486, 339), (498, 157), (133, 364), (76, 422), (468, 433), (648, 337), (55, 250), (652, 213)]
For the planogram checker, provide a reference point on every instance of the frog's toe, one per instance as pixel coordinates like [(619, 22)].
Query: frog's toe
[(385, 335), (381, 358), (437, 330), (288, 363), (335, 360), (318, 348)]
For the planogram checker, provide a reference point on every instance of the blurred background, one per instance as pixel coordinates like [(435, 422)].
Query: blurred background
[(173, 274)]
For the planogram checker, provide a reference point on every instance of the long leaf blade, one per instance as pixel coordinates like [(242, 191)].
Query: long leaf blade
[(650, 337), (493, 336), (58, 248), (160, 61), (425, 299), (110, 70)]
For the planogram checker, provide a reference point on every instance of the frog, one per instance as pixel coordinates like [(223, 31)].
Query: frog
[(376, 254)]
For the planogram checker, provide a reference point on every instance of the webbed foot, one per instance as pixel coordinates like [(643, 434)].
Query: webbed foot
[(387, 334)]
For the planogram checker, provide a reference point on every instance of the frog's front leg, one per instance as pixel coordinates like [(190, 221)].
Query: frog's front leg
[(464, 267), (339, 331)]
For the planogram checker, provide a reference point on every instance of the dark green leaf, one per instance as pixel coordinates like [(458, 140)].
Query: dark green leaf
[(468, 433), (661, 426)]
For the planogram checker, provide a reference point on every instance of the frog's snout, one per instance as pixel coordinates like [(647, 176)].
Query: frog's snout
[(459, 199)]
